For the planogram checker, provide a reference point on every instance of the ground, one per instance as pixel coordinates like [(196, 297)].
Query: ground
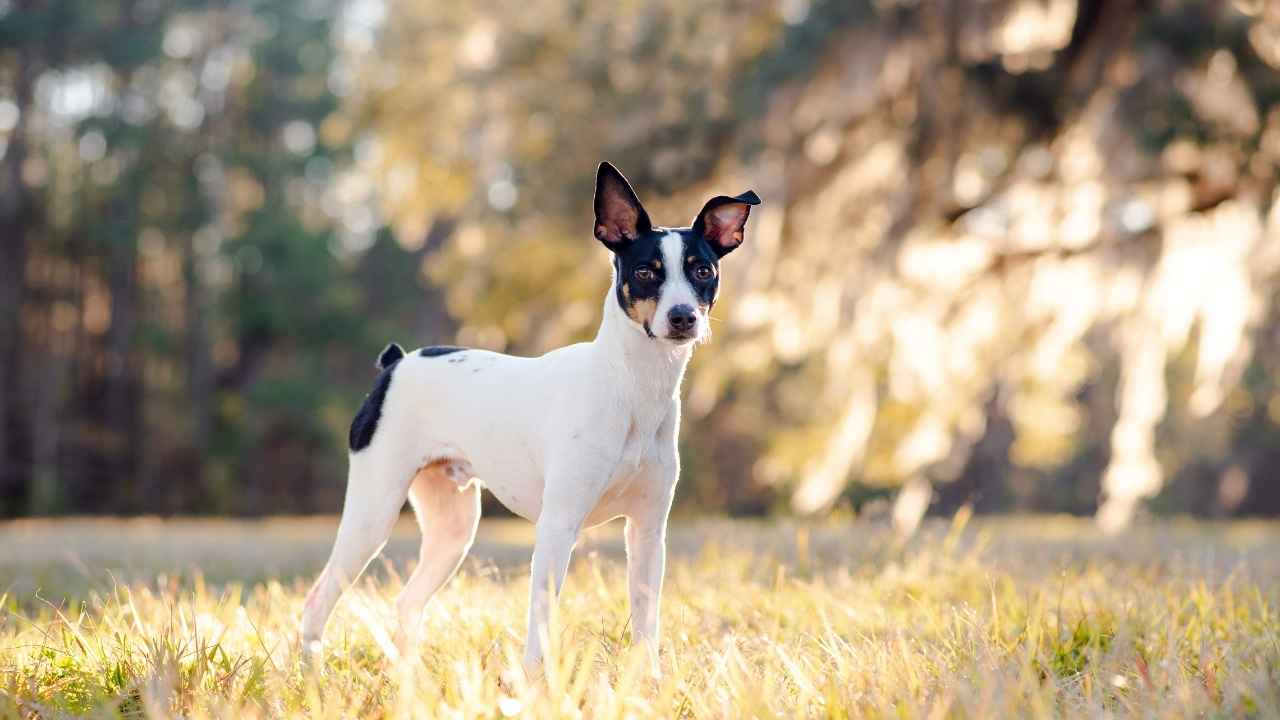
[(991, 618)]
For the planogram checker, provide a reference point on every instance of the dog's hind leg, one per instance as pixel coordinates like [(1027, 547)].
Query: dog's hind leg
[(376, 490), (446, 501)]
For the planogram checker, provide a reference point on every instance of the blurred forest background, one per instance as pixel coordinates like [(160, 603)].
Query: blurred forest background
[(1015, 254)]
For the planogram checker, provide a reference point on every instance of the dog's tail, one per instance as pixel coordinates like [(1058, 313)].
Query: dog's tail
[(390, 356)]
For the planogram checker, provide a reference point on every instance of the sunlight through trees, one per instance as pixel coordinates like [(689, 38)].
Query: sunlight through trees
[(1013, 254)]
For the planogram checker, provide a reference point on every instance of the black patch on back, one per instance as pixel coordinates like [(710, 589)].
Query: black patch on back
[(365, 423), (438, 350), (390, 354)]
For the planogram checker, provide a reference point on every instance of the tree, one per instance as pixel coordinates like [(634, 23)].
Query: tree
[(189, 319), (986, 225)]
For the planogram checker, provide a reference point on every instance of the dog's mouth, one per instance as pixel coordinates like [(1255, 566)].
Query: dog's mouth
[(674, 336)]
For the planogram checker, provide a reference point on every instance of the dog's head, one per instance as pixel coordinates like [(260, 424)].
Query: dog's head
[(667, 278)]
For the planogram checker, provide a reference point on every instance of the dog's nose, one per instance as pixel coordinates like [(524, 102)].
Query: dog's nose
[(682, 318)]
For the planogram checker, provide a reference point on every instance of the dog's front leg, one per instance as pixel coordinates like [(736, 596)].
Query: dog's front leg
[(646, 564), (646, 537), (575, 479), (552, 549)]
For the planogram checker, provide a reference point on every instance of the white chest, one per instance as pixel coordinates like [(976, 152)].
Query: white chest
[(641, 441)]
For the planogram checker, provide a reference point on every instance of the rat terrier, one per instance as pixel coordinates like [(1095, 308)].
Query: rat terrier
[(572, 439)]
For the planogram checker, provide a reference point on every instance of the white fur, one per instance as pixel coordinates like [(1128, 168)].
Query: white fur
[(574, 438)]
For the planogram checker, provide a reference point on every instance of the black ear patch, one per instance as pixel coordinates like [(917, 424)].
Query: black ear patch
[(723, 221), (365, 423), (620, 218), (390, 355)]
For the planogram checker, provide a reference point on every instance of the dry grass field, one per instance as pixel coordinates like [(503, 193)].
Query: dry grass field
[(1010, 617)]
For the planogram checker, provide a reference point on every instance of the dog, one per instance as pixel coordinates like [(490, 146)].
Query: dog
[(572, 439)]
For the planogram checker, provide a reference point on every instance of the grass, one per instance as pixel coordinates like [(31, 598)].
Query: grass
[(999, 618)]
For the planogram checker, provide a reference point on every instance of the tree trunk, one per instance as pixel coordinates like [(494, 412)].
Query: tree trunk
[(200, 379), (123, 398), (16, 214)]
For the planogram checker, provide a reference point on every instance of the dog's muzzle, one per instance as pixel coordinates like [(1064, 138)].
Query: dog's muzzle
[(682, 323)]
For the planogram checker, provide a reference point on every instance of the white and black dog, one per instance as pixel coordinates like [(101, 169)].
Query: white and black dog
[(572, 439)]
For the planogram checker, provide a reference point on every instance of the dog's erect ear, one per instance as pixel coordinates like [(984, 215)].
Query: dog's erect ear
[(620, 218), (723, 221)]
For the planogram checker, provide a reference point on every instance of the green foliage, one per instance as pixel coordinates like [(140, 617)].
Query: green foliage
[(199, 230), (969, 242), (1070, 655)]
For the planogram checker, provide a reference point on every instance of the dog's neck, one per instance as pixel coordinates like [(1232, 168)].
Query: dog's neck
[(655, 366)]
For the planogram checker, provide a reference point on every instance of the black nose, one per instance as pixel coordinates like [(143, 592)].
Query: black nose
[(682, 318)]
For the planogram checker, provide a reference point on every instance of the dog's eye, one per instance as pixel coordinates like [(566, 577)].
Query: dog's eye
[(644, 274), (703, 272)]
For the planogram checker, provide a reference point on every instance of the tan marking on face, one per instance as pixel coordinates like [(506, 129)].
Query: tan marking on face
[(657, 264), (642, 311)]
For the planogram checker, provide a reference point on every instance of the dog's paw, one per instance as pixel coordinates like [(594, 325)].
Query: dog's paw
[(406, 642), (310, 655), (642, 660)]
